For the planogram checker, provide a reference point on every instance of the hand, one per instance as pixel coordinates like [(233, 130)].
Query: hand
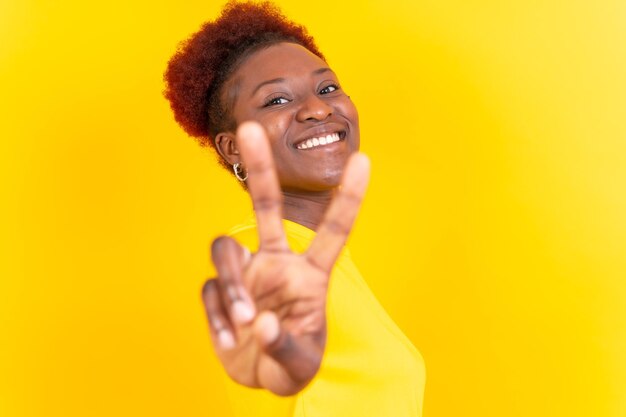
[(267, 311)]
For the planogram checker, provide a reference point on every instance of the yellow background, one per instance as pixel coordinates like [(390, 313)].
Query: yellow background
[(494, 230)]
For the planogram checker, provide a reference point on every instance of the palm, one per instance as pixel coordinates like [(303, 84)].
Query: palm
[(268, 312)]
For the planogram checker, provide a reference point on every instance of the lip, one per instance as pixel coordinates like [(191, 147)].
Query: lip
[(323, 130)]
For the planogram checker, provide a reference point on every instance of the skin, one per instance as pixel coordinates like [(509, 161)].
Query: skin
[(307, 102), (267, 311)]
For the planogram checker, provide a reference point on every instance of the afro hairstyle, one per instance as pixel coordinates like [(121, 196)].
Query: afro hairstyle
[(202, 64)]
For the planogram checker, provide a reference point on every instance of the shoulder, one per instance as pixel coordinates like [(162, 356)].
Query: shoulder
[(246, 234)]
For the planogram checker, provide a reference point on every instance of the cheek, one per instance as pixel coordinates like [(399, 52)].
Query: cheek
[(276, 134), (276, 128), (347, 108), (353, 111), (350, 112)]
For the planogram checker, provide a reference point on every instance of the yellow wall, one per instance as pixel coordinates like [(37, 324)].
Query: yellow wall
[(494, 230)]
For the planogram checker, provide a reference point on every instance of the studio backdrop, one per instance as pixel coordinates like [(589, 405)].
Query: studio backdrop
[(493, 232)]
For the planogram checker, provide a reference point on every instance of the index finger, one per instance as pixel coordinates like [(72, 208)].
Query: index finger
[(263, 185), (337, 223)]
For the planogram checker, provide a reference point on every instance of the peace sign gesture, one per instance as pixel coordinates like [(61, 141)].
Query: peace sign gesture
[(267, 311)]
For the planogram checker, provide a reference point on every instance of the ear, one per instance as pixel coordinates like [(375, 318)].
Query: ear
[(225, 145)]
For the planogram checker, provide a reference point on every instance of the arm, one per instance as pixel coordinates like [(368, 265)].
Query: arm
[(267, 311)]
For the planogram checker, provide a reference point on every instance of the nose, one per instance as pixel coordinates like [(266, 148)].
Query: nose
[(313, 108)]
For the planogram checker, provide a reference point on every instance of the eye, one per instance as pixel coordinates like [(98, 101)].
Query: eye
[(274, 101), (329, 89)]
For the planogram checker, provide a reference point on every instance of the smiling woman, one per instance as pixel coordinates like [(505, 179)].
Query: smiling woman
[(294, 340), (312, 125)]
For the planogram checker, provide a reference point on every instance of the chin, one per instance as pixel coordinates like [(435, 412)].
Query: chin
[(333, 176), (330, 180)]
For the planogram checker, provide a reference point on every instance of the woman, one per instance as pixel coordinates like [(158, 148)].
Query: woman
[(294, 342)]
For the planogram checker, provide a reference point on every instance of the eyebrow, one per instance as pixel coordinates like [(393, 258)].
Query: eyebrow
[(280, 80)]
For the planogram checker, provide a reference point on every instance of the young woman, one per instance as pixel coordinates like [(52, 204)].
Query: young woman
[(291, 319)]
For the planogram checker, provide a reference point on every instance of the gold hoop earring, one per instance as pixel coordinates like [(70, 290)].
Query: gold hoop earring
[(238, 170)]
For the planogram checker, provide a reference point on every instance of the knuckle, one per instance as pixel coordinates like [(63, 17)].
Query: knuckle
[(317, 263), (273, 243), (230, 291), (215, 321), (258, 168), (350, 197), (219, 244), (266, 203), (337, 227), (208, 287)]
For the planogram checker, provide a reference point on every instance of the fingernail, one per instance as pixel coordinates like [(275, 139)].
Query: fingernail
[(242, 312), (270, 332), (226, 339)]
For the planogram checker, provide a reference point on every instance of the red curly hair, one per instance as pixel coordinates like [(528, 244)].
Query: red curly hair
[(202, 64)]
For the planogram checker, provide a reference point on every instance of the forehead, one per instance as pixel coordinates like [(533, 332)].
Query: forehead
[(283, 60)]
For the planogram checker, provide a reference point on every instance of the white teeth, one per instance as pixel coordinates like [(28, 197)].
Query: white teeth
[(322, 140)]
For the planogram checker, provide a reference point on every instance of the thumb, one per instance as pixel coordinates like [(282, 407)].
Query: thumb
[(300, 357)]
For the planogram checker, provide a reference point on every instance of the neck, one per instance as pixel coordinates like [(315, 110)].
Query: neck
[(306, 209)]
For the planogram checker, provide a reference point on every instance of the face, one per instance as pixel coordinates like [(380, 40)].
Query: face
[(311, 123)]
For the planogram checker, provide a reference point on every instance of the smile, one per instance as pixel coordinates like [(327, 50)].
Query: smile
[(320, 141)]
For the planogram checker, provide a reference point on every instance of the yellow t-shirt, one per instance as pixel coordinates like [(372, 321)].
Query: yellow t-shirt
[(369, 368)]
